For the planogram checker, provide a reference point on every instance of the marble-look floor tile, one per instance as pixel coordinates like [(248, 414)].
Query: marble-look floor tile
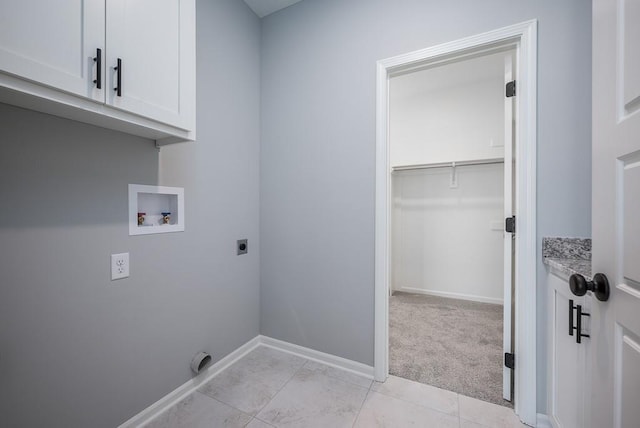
[(487, 414), (200, 411), (339, 373), (418, 393), (383, 411), (257, 423), (251, 382), (469, 424), (313, 399)]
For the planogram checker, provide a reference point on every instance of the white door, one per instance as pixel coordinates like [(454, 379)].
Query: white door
[(615, 324), (54, 43), (149, 39), (507, 373)]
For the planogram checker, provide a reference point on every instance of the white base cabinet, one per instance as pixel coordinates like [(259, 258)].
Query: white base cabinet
[(62, 57), (568, 376)]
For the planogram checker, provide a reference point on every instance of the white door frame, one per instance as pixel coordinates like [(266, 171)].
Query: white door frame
[(523, 37)]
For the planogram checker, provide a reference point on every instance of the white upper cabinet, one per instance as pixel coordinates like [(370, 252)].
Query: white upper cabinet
[(53, 43), (60, 57), (150, 38)]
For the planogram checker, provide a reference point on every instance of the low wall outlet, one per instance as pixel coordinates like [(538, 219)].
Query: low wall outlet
[(119, 266), (243, 246)]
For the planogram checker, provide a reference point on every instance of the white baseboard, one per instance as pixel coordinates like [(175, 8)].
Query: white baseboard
[(320, 357), (543, 421), (192, 385), (461, 296)]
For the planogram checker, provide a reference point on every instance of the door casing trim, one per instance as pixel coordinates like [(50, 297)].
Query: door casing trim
[(523, 37)]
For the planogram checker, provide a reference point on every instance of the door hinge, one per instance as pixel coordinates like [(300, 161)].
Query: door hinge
[(511, 89), (510, 224), (509, 360)]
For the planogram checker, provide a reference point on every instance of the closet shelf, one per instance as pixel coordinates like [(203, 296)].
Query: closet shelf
[(447, 164)]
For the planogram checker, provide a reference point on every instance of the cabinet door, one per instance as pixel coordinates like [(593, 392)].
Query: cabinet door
[(155, 43), (53, 43), (567, 359)]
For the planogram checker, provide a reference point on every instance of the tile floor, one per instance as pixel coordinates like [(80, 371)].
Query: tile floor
[(268, 388)]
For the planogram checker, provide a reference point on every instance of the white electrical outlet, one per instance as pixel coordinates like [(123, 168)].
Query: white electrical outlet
[(119, 266)]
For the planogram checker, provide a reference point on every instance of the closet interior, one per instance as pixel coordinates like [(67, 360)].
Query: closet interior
[(451, 129)]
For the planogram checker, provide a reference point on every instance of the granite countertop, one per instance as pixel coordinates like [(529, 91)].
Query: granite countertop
[(568, 255)]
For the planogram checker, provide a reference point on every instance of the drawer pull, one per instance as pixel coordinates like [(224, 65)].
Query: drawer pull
[(571, 327), (98, 60), (580, 314), (118, 69)]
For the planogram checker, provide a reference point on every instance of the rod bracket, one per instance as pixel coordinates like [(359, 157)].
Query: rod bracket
[(453, 182)]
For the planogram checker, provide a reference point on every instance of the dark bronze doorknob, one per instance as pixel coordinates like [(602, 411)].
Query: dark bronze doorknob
[(600, 286)]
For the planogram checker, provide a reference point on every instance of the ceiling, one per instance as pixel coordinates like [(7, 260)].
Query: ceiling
[(263, 8)]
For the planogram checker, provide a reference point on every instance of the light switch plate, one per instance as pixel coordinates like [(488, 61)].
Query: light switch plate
[(119, 266)]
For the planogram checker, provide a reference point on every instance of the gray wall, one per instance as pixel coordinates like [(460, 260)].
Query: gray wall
[(77, 350), (318, 150)]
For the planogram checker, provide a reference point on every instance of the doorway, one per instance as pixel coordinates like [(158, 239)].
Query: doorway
[(521, 38), (451, 153)]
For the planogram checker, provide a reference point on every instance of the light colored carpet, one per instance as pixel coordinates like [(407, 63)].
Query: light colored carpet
[(448, 343)]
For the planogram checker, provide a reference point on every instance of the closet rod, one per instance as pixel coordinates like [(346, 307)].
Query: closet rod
[(448, 164)]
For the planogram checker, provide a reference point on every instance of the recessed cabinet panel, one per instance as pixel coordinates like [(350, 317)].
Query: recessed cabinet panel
[(567, 370), (53, 43), (567, 406), (156, 74)]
